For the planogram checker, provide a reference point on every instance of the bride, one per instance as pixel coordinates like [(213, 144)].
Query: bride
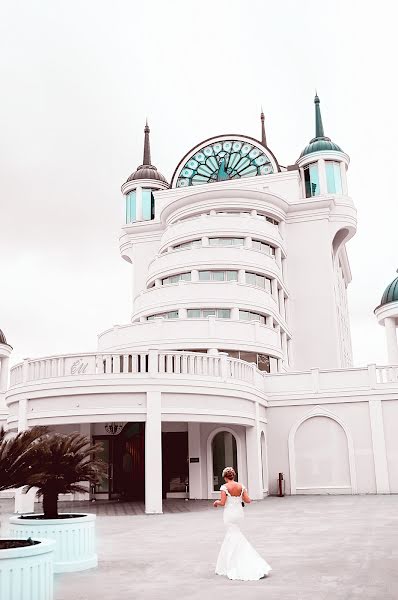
[(237, 558)]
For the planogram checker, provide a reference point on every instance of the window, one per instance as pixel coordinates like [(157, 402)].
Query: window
[(259, 281), (311, 180), (218, 275), (224, 454), (148, 205), (263, 247), (188, 245), (176, 278), (203, 313), (267, 218), (333, 177), (172, 314), (262, 361), (147, 208), (245, 315), (130, 207), (226, 241)]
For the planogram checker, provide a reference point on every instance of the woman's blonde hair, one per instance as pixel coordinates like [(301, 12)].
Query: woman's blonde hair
[(229, 473)]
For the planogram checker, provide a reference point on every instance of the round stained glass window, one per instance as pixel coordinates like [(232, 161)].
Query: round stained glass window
[(223, 160)]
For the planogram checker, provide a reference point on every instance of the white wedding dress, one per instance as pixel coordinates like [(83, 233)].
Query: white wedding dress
[(237, 558)]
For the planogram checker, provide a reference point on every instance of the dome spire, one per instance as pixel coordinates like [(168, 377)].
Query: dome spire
[(147, 148), (319, 132), (263, 136)]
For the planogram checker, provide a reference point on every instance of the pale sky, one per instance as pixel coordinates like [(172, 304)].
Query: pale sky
[(78, 79)]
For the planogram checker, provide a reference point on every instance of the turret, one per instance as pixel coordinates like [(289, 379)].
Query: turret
[(387, 315), (323, 164), (139, 187)]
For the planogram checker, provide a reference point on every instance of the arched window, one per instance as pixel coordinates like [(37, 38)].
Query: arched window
[(224, 455)]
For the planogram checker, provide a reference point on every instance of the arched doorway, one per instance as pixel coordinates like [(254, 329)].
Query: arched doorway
[(321, 460), (224, 454)]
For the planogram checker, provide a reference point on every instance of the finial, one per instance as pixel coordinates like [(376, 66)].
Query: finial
[(263, 136), (319, 133), (147, 148)]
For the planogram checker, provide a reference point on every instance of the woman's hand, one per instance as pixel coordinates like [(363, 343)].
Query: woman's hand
[(216, 503)]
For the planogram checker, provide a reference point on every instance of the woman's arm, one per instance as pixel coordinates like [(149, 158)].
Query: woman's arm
[(222, 501), (246, 497)]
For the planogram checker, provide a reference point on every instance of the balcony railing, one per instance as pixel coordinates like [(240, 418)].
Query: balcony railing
[(151, 363)]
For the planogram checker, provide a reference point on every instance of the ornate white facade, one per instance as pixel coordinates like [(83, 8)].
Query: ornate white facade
[(239, 348)]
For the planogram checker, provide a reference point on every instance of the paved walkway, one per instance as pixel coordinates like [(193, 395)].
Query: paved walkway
[(320, 548)]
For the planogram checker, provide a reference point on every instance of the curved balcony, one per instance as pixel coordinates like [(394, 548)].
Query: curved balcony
[(97, 387), (207, 258), (190, 334), (213, 225), (203, 294)]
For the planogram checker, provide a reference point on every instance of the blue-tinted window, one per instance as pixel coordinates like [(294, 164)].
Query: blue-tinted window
[(148, 205), (311, 180), (130, 207), (333, 177)]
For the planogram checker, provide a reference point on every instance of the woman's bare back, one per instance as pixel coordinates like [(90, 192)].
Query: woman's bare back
[(235, 489)]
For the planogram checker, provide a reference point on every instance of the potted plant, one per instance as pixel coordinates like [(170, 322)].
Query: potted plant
[(61, 464), (26, 565)]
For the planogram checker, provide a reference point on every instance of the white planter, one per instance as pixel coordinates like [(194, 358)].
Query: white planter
[(27, 572), (75, 546)]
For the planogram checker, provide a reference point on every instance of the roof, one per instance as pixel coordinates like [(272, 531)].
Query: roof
[(147, 170), (320, 142), (3, 339), (390, 293)]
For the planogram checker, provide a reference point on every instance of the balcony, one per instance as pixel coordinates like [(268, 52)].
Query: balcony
[(213, 225), (202, 258), (190, 334), (204, 295)]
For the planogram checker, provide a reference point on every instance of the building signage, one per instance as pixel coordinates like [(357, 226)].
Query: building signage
[(194, 460)]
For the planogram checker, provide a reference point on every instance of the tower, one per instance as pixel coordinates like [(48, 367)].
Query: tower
[(139, 187), (320, 223), (387, 315)]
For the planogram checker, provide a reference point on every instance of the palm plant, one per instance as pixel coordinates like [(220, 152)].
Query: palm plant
[(61, 464), (17, 456)]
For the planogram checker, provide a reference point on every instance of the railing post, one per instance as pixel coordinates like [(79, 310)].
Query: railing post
[(25, 369), (153, 363), (224, 365), (372, 376)]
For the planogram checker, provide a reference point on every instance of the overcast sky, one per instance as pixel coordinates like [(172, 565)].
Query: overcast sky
[(79, 78)]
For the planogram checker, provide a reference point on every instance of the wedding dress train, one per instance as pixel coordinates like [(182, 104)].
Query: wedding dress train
[(237, 558)]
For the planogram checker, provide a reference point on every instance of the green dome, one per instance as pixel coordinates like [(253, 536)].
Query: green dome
[(319, 145), (390, 293)]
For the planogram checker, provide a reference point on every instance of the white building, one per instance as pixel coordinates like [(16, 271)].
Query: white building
[(238, 351)]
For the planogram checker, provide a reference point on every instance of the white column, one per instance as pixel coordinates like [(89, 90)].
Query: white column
[(195, 468), (241, 276), (235, 313), (379, 447), (391, 337), (343, 173), (153, 454), (278, 257), (24, 503), (274, 289), (247, 242), (323, 188), (138, 203), (194, 275), (85, 429), (253, 453), (4, 373)]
